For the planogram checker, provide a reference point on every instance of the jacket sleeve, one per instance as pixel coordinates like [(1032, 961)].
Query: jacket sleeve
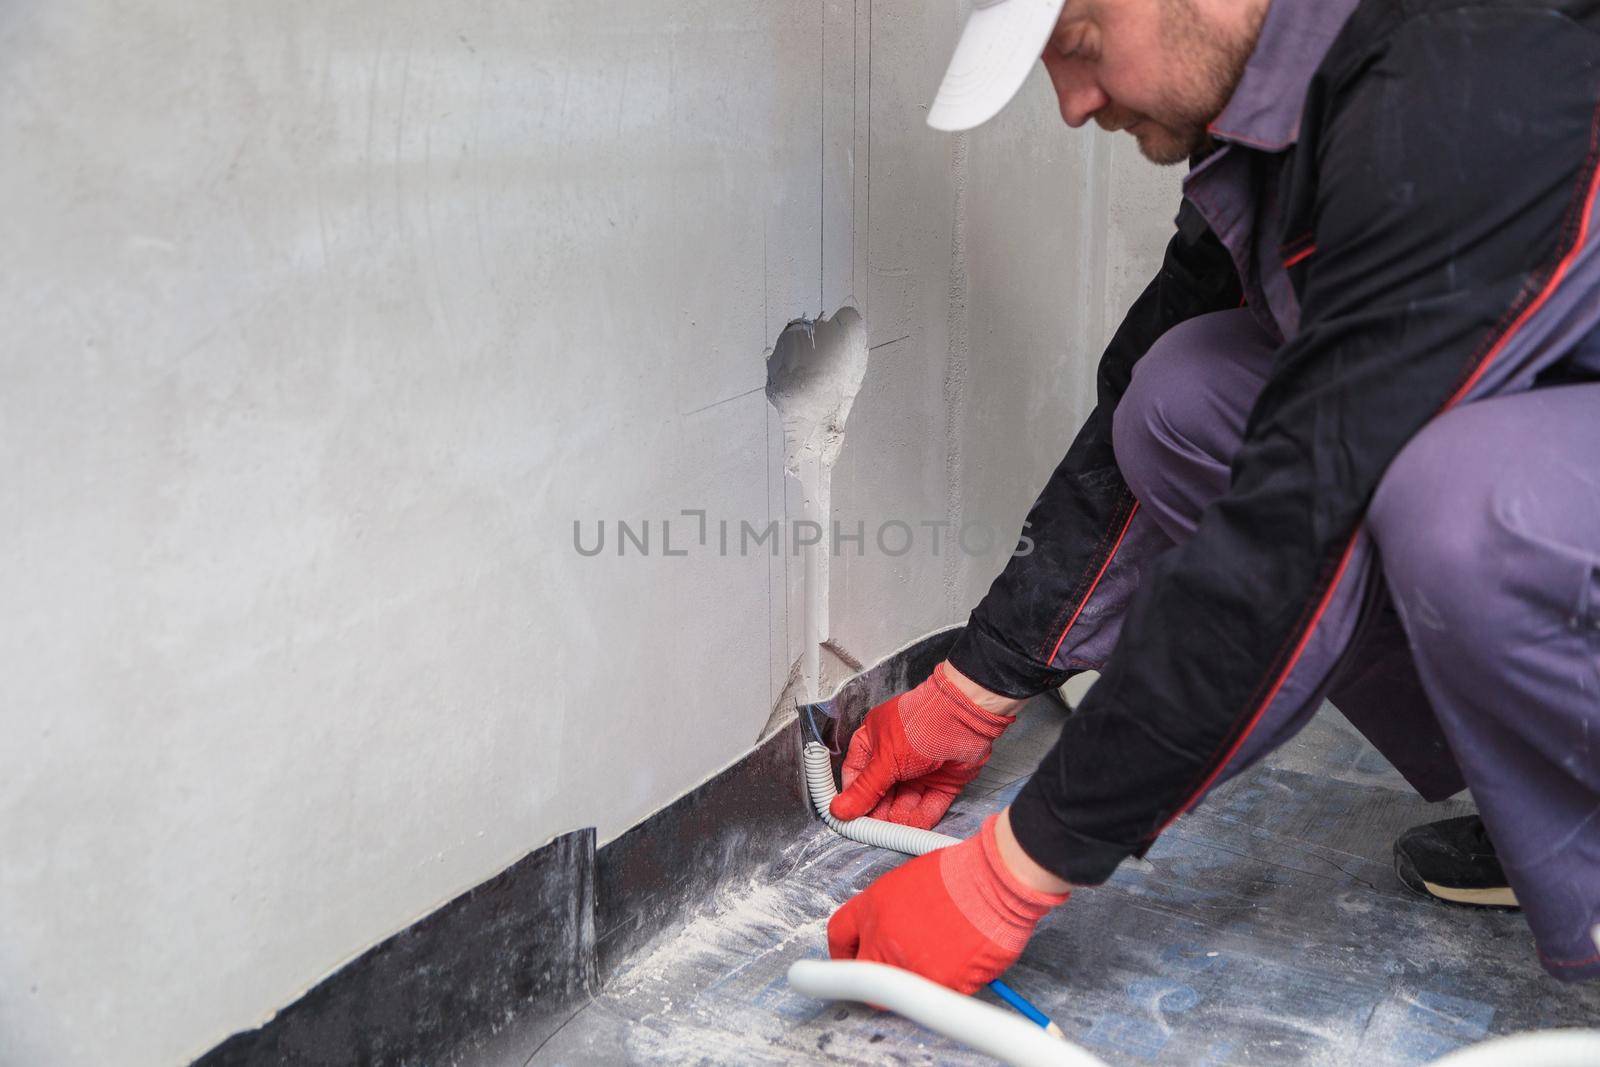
[(1008, 643), (1435, 261)]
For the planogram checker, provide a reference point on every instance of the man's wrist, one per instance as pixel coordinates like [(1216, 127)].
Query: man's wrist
[(993, 703), (1020, 864)]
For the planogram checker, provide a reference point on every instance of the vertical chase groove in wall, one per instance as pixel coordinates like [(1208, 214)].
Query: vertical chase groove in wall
[(1096, 206), (813, 375), (957, 359)]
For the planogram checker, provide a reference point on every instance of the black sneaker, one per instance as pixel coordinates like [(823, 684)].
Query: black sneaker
[(1453, 860)]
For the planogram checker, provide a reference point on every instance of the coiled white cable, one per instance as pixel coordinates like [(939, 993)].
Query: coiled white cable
[(907, 839)]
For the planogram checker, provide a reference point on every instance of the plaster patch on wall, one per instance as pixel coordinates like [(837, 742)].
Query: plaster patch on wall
[(814, 373)]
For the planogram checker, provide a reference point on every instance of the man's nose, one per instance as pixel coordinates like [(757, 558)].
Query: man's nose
[(1079, 105), (1078, 95)]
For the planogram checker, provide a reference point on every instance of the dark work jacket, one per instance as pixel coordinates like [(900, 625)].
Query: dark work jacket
[(1413, 212)]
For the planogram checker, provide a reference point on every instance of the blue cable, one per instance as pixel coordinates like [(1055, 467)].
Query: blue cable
[(1019, 1002)]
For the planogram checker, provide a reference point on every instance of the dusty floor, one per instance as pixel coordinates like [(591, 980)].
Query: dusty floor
[(1268, 928)]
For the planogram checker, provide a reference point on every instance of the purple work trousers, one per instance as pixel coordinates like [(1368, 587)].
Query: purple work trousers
[(1472, 655)]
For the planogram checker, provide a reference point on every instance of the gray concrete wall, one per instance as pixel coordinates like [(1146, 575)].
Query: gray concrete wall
[(325, 325)]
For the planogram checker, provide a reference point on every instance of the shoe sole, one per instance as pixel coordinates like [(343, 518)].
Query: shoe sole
[(1495, 897), (1492, 897)]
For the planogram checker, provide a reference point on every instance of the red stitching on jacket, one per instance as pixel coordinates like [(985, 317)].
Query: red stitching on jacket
[(1277, 687), (1300, 257), (1552, 961), (1094, 584), (1561, 271), (1100, 545), (1288, 248), (1563, 267)]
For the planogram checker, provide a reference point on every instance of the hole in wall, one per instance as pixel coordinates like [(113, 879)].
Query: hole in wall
[(813, 375), (814, 371)]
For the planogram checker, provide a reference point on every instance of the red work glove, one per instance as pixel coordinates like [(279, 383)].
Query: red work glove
[(915, 753), (957, 915)]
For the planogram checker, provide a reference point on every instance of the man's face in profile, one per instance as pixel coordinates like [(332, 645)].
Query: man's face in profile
[(1160, 69)]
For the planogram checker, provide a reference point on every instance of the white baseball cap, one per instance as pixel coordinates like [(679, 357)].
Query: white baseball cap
[(1001, 42)]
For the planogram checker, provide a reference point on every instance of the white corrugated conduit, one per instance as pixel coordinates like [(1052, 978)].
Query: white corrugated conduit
[(875, 832), (1011, 1039), (981, 1026)]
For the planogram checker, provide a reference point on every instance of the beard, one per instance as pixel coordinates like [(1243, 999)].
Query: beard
[(1207, 65)]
